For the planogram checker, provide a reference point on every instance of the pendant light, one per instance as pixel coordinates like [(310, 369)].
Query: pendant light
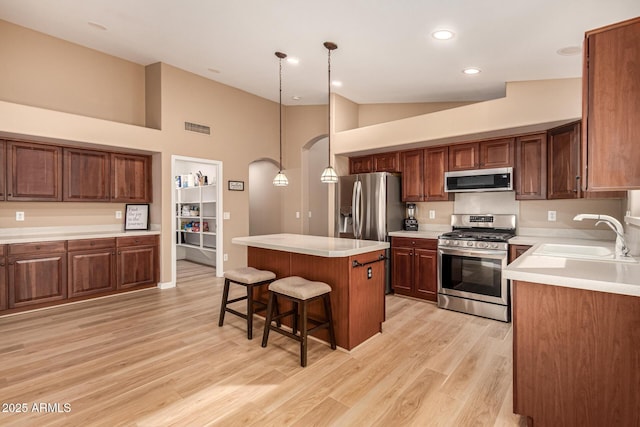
[(281, 179), (329, 175)]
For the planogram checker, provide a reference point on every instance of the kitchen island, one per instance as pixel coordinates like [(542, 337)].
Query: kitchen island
[(354, 269), (576, 339)]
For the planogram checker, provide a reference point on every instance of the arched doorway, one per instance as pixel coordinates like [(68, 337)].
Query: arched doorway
[(265, 200)]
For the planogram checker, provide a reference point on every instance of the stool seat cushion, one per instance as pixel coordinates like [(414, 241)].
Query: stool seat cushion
[(298, 287), (249, 275)]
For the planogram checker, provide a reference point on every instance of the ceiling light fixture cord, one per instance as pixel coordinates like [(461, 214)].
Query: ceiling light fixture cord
[(281, 179), (329, 175)]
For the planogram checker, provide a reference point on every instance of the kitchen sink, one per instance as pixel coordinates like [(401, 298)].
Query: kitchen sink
[(601, 253)]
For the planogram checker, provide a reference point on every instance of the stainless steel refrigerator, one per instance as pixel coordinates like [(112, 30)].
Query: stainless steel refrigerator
[(368, 207)]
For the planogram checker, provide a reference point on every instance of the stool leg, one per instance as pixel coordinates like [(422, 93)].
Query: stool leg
[(303, 335), (223, 305), (327, 310), (267, 322), (295, 318), (249, 312)]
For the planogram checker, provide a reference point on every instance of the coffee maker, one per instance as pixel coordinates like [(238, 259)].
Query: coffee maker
[(410, 223)]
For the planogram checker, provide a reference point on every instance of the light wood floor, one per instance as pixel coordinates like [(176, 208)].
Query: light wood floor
[(157, 358)]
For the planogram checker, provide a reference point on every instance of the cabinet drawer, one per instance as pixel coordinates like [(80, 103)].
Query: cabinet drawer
[(87, 244), (37, 247), (137, 240), (408, 242), (2, 250)]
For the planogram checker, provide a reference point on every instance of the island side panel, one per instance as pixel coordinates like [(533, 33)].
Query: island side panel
[(576, 356), (267, 259), (366, 297)]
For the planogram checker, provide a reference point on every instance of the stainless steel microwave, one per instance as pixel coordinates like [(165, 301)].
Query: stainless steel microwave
[(498, 179)]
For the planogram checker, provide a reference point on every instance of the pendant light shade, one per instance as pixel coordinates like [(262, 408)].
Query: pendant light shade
[(329, 175), (281, 179)]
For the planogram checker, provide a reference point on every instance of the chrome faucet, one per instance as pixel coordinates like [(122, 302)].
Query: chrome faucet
[(622, 251)]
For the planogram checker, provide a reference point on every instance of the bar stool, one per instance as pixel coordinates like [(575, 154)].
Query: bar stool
[(301, 292), (250, 278)]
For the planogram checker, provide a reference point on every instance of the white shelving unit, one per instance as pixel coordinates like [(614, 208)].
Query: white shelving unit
[(196, 217)]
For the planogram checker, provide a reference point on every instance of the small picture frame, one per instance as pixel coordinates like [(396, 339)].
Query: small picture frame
[(236, 185), (136, 217)]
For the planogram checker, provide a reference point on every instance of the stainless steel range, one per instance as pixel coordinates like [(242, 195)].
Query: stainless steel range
[(470, 263)]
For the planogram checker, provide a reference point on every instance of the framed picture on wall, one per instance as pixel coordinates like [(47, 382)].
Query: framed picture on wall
[(236, 185), (136, 217)]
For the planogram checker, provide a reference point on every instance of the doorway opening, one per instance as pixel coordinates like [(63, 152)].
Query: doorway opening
[(265, 199)]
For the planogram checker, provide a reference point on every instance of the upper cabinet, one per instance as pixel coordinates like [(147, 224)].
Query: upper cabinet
[(531, 167), (497, 153), (360, 164), (564, 162), (611, 129), (436, 162), (87, 175), (34, 172), (382, 162), (131, 178), (412, 175)]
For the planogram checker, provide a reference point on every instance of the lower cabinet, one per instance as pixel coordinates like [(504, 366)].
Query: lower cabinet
[(4, 297), (414, 264), (137, 261), (37, 273), (516, 250), (92, 266)]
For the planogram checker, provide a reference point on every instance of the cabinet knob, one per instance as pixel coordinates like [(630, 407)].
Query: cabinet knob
[(37, 248)]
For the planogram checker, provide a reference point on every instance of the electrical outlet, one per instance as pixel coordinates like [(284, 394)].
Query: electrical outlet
[(432, 214), (226, 215), (551, 215), (118, 214), (226, 257), (297, 215), (309, 214), (19, 216)]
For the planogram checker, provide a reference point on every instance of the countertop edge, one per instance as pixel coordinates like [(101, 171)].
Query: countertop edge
[(326, 253), (74, 236)]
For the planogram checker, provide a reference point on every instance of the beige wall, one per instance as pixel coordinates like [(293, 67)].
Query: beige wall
[(533, 213), (373, 114), (43, 71), (265, 200), (348, 117)]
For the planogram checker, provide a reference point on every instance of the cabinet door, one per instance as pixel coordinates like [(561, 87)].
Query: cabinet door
[(131, 178), (464, 156), (34, 172), (87, 175), (35, 279), (531, 167), (516, 250), (412, 175), (564, 162), (402, 270), (363, 164), (4, 292), (136, 266), (611, 108), (497, 153), (91, 272), (426, 274), (386, 162), (3, 170), (436, 162)]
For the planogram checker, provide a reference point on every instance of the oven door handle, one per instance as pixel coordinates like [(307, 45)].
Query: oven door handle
[(474, 253)]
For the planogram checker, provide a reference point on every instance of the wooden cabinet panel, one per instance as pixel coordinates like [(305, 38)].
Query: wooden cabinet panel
[(34, 172), (366, 298), (412, 175), (497, 153), (361, 164), (386, 162), (531, 167), (91, 267), (426, 274), (87, 175), (575, 356), (35, 279), (3, 170), (564, 162), (436, 163), (402, 266), (611, 108), (464, 156), (516, 250), (4, 292), (37, 247), (131, 178), (137, 263)]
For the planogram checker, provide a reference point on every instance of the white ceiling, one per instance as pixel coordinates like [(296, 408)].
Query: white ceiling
[(385, 49)]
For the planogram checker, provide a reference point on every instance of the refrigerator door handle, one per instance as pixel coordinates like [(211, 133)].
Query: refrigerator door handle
[(359, 208), (354, 209)]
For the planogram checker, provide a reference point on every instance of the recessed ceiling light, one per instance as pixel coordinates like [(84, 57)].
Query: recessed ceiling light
[(569, 51), (471, 71), (336, 83), (213, 70), (292, 60), (443, 34), (97, 26), (296, 98)]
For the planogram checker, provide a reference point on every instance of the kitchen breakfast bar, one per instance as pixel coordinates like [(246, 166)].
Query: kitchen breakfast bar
[(354, 269)]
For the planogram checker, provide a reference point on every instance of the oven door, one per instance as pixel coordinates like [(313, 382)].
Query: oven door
[(474, 274)]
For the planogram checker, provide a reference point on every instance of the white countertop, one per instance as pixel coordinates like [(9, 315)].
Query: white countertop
[(48, 234), (604, 276), (329, 247), (417, 234)]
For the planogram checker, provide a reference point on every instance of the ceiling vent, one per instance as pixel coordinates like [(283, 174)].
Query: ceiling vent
[(194, 127)]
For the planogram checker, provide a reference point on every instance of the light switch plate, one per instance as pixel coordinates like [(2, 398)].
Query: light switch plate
[(432, 214), (226, 257), (226, 215), (118, 214), (19, 216), (551, 215), (298, 215)]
